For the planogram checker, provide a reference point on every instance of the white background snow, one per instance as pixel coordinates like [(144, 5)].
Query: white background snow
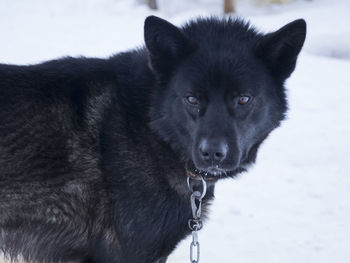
[(294, 204)]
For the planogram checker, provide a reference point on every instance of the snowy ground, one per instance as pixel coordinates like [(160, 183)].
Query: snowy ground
[(294, 205)]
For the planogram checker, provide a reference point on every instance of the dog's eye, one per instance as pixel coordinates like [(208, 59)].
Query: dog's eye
[(243, 100), (192, 100)]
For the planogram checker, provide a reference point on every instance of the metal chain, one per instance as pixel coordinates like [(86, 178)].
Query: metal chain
[(195, 224)]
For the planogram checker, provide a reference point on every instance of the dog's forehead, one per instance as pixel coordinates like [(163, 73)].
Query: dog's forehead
[(217, 72)]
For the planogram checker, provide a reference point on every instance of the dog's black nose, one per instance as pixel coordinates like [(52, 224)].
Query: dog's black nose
[(213, 151)]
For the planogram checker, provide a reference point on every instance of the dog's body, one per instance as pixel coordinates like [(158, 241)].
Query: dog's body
[(93, 152)]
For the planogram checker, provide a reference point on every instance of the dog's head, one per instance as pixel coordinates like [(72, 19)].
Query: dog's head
[(220, 88)]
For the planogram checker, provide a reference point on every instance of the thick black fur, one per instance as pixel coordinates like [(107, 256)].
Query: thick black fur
[(93, 151)]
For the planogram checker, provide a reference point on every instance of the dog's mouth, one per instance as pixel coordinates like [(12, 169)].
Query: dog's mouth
[(211, 173)]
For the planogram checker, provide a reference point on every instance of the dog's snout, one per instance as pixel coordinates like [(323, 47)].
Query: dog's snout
[(213, 151)]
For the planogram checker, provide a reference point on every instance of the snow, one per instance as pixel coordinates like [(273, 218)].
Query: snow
[(294, 204)]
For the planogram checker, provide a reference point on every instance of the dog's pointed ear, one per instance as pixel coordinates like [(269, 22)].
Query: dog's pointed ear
[(279, 50), (166, 44)]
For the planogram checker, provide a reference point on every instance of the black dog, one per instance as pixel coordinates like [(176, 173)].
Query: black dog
[(94, 153)]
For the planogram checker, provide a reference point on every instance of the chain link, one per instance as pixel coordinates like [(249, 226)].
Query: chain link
[(194, 247), (195, 224)]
